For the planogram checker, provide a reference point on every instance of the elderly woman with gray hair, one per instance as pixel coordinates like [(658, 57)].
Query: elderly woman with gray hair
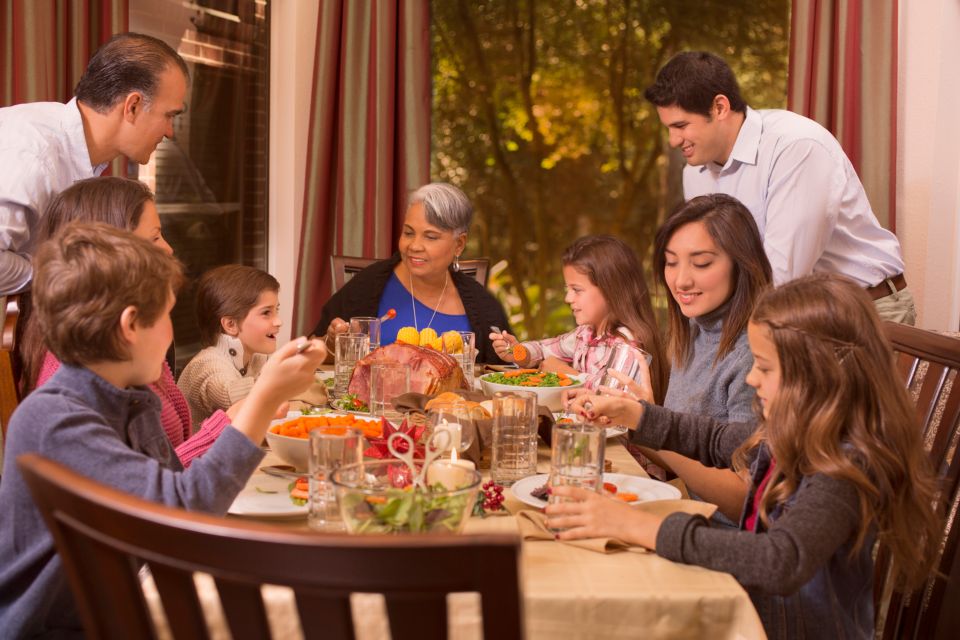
[(422, 281)]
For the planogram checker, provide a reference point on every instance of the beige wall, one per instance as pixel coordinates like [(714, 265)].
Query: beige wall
[(928, 141), (293, 31)]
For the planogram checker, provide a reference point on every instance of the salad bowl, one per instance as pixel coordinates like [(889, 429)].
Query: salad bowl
[(548, 390), (379, 497)]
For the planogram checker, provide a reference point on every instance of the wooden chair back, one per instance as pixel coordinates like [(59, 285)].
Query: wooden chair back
[(929, 364), (9, 389), (345, 267), (103, 537)]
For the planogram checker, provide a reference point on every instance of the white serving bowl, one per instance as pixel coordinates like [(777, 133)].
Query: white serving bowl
[(295, 451), (548, 397)]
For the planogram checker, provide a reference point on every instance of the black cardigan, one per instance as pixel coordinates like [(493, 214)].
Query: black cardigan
[(360, 296)]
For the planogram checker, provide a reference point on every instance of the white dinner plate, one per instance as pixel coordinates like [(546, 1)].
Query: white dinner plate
[(266, 497), (646, 489)]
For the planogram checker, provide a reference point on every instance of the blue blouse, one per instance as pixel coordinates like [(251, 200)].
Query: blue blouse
[(395, 296)]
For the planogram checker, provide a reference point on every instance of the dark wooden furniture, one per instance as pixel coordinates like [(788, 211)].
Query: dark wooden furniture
[(9, 389), (104, 535), (345, 267), (929, 364)]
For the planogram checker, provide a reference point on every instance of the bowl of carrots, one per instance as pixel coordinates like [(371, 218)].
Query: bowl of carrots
[(547, 385), (289, 438)]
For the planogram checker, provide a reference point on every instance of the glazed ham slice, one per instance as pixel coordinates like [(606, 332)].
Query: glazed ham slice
[(431, 372)]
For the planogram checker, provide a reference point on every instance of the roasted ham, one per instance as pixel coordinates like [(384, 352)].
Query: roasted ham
[(431, 372)]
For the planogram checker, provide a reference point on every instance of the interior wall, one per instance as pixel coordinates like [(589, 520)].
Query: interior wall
[(928, 158), (293, 32)]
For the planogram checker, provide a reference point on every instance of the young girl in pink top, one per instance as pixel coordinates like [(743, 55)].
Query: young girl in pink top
[(126, 204), (608, 295)]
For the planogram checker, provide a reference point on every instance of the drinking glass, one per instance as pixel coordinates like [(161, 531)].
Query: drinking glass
[(329, 450), (624, 358), (469, 355), (576, 457), (454, 417), (369, 326), (514, 436), (387, 381), (350, 347)]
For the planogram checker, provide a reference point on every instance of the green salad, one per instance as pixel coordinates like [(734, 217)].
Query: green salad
[(531, 379), (407, 511), (349, 402)]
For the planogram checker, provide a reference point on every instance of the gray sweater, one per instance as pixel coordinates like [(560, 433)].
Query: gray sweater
[(800, 573), (110, 435), (719, 391)]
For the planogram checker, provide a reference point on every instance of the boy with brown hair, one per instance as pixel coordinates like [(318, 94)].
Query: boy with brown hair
[(103, 300)]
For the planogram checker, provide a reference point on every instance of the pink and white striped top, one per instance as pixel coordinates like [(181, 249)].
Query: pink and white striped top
[(579, 348)]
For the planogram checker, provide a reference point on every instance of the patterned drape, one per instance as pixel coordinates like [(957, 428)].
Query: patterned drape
[(843, 74), (369, 140), (45, 46)]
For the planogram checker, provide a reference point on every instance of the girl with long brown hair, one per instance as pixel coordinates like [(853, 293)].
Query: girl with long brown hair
[(835, 462), (606, 289)]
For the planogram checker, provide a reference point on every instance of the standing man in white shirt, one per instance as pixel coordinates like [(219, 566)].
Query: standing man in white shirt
[(789, 171), (125, 103)]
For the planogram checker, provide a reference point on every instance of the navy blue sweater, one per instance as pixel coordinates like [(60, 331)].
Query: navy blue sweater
[(113, 436)]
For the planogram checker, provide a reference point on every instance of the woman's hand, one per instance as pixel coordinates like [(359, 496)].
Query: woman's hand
[(607, 409), (336, 326), (567, 396), (591, 515), (503, 344)]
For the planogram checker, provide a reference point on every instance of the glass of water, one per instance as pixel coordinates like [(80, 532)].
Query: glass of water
[(369, 326), (514, 436), (624, 358), (387, 381), (576, 457), (330, 449), (350, 347), (466, 357)]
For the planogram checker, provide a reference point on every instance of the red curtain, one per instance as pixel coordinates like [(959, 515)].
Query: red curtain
[(369, 140), (45, 46), (843, 74)]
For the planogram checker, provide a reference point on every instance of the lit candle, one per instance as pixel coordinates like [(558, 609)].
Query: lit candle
[(452, 473)]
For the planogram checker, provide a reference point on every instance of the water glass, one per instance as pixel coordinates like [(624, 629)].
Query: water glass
[(369, 326), (469, 355), (387, 381), (624, 358), (350, 347), (514, 436), (456, 419), (576, 457), (330, 449)]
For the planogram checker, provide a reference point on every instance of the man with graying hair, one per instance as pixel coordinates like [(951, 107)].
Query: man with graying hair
[(125, 103)]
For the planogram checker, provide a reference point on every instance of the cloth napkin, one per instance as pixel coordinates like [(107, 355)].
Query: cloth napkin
[(533, 524), (417, 402), (314, 396)]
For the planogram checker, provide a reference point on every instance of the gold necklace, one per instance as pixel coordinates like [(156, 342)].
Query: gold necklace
[(413, 302)]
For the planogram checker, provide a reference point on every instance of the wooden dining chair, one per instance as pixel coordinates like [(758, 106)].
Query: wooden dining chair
[(9, 389), (345, 267), (103, 537), (928, 364)]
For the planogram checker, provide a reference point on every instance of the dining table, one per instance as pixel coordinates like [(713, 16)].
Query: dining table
[(568, 592)]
